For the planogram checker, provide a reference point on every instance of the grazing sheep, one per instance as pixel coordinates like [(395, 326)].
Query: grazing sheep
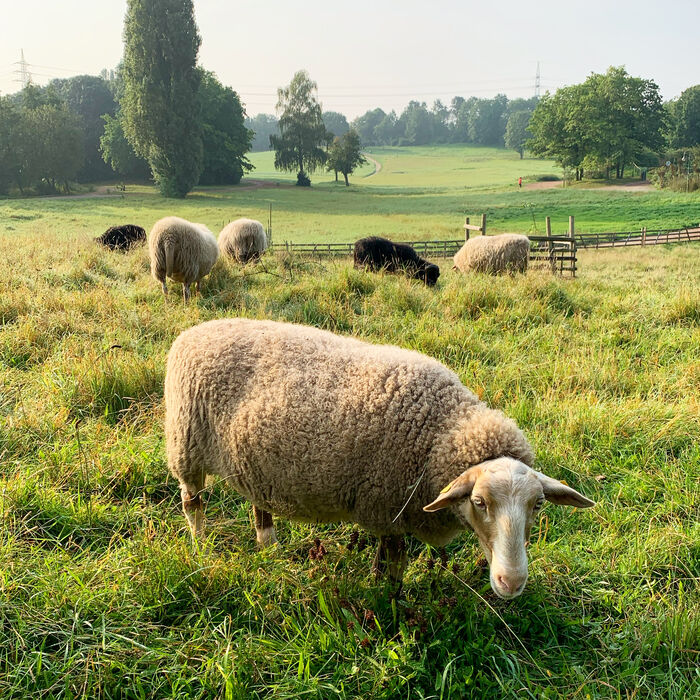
[(507, 252), (322, 428), (181, 250), (381, 254), (122, 237), (243, 239)]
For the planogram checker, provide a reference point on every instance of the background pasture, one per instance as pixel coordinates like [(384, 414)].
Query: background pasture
[(101, 594)]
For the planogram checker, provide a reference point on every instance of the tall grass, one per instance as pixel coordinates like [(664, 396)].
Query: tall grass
[(101, 594)]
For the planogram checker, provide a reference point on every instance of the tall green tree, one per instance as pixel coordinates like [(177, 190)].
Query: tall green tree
[(263, 126), (160, 104), (366, 123), (225, 137), (301, 143), (684, 119), (516, 131), (345, 155)]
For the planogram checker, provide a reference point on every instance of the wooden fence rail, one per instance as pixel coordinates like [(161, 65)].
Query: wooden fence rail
[(620, 239)]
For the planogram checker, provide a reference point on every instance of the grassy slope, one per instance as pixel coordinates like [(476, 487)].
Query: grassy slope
[(100, 594)]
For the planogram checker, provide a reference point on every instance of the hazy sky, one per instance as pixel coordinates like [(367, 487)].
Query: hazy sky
[(378, 53)]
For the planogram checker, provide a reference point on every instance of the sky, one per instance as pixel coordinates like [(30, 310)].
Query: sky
[(382, 53)]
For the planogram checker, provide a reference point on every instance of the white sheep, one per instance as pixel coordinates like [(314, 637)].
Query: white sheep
[(321, 428), (507, 252), (181, 250), (243, 239)]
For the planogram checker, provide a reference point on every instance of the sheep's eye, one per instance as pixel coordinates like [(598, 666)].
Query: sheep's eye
[(538, 504), (479, 502)]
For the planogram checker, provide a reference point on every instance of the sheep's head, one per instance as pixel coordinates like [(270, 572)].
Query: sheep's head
[(499, 500)]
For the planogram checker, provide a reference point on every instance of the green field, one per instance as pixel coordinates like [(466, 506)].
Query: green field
[(101, 594), (430, 204)]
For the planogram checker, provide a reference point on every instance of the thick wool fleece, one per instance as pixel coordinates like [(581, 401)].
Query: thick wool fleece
[(243, 239), (507, 252), (318, 427), (181, 250)]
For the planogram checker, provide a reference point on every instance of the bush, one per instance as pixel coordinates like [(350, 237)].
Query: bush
[(303, 179)]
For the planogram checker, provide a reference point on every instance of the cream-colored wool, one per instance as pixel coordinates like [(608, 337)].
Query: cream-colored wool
[(507, 252), (318, 427), (183, 251), (243, 239)]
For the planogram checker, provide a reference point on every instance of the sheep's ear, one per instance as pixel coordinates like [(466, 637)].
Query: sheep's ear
[(455, 491), (561, 494)]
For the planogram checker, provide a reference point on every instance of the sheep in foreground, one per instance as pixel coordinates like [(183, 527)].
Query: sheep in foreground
[(318, 427), (122, 237), (243, 239), (377, 253), (181, 250), (507, 252)]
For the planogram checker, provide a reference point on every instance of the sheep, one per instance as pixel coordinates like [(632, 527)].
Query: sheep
[(122, 237), (377, 253), (318, 427), (243, 239), (507, 252), (181, 250)]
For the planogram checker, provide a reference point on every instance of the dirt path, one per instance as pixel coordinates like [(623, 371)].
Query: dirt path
[(547, 185), (640, 186), (377, 165)]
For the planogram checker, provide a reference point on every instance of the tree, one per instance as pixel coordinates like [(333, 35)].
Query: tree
[(516, 131), (684, 119), (386, 133), (345, 154), (604, 122), (300, 145), (11, 141), (335, 123), (487, 121), (419, 123), (263, 126), (57, 144), (365, 124), (160, 104), (89, 97), (225, 138), (117, 151)]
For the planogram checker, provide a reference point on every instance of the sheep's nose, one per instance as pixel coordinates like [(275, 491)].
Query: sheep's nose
[(512, 585)]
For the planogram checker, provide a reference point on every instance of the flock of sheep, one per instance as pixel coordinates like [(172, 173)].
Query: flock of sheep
[(186, 252), (319, 427)]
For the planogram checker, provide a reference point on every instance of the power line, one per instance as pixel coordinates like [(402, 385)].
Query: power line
[(25, 76)]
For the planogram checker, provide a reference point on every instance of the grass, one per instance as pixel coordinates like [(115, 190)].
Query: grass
[(101, 594)]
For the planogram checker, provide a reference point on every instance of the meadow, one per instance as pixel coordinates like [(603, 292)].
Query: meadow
[(101, 593)]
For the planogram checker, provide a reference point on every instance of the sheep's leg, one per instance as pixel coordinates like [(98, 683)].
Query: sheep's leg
[(197, 288), (264, 529), (186, 291), (164, 287), (193, 509), (391, 557)]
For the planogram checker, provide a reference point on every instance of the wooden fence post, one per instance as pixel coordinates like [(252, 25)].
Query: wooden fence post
[(466, 230), (483, 224), (571, 227), (644, 235), (550, 245)]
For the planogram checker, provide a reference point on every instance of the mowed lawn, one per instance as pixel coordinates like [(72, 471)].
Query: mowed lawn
[(101, 593)]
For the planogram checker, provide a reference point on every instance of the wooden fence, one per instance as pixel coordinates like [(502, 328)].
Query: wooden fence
[(559, 252), (620, 239)]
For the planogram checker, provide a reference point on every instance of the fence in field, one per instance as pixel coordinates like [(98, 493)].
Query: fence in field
[(559, 252), (620, 239)]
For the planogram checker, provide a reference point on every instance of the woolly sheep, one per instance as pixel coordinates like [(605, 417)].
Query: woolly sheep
[(322, 428), (377, 253), (181, 250), (243, 239), (122, 237), (507, 252)]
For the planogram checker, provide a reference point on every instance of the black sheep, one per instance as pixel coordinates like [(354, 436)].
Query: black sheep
[(377, 253), (122, 237)]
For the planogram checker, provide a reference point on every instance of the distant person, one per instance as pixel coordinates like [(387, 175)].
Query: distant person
[(520, 182)]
